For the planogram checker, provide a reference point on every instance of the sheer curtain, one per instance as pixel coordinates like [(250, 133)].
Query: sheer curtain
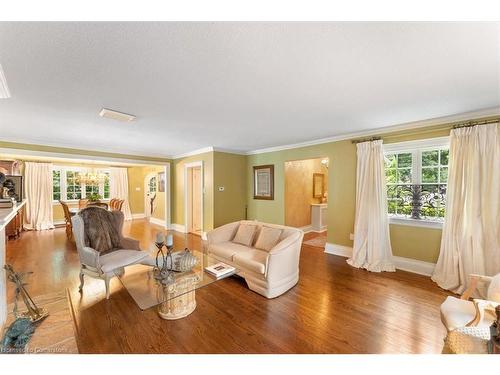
[(118, 188), (470, 241), (372, 245), (38, 191)]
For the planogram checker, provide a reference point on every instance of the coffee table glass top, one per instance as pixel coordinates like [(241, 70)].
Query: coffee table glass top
[(148, 292)]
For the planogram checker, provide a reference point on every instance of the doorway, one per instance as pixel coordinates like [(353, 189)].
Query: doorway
[(194, 198), (306, 193), (150, 193)]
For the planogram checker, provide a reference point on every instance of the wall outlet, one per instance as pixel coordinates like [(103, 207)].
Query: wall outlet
[(351, 236), (221, 188)]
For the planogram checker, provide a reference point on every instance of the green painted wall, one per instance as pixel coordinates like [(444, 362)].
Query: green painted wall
[(407, 241), (341, 186), (229, 172)]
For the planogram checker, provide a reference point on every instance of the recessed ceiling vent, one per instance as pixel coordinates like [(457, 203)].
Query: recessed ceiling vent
[(115, 115), (4, 89)]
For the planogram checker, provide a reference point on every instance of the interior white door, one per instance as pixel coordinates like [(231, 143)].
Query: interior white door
[(196, 209)]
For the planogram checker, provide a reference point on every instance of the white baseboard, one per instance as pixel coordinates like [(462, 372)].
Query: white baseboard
[(178, 227), (154, 220), (138, 216), (59, 223), (343, 251), (414, 265), (401, 263)]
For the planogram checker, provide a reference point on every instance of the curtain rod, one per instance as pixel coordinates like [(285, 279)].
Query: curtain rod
[(366, 140), (474, 123)]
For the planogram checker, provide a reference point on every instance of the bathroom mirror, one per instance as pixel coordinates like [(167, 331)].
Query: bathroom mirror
[(318, 185)]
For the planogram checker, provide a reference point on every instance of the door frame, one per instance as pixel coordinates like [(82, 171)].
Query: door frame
[(187, 218)]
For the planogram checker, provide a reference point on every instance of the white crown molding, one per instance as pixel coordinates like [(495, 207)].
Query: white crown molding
[(76, 157), (494, 111), (38, 141), (401, 263), (466, 116)]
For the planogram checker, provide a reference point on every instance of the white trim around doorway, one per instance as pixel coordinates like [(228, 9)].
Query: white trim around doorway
[(187, 166)]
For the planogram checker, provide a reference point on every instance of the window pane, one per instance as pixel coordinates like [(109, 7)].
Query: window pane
[(404, 176), (390, 161), (391, 205), (404, 160), (430, 175), (444, 174), (430, 158), (391, 176), (444, 157), (57, 196)]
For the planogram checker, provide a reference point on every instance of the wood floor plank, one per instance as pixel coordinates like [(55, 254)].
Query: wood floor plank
[(333, 309)]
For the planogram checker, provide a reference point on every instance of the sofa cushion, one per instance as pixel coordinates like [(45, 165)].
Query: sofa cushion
[(252, 260), (268, 238), (245, 234), (227, 249)]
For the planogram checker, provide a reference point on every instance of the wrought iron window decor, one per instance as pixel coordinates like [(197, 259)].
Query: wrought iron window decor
[(417, 180), (417, 201)]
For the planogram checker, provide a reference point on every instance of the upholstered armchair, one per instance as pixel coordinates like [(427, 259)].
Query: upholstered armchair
[(105, 266), (462, 312)]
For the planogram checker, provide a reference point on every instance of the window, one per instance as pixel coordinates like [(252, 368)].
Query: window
[(417, 176), (66, 186), (56, 185)]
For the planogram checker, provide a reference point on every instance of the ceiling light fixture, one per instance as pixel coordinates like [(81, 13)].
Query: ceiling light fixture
[(115, 115), (4, 89)]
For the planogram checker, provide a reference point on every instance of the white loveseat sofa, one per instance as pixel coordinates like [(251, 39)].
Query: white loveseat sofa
[(269, 273)]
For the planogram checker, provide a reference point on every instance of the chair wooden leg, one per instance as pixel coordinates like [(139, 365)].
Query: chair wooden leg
[(80, 288), (106, 282)]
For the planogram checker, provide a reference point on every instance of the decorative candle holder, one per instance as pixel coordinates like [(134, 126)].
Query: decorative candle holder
[(164, 273)]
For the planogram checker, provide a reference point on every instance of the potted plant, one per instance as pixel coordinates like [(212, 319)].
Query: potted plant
[(94, 197)]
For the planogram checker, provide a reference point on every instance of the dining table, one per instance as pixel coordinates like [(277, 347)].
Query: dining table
[(74, 210)]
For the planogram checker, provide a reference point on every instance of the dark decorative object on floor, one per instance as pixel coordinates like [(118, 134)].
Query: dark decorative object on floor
[(20, 331), (17, 335), (33, 313), (494, 343)]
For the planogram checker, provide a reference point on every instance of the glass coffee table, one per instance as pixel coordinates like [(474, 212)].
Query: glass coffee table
[(176, 299)]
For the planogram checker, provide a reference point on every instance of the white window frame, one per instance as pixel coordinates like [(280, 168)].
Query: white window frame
[(416, 148), (63, 193)]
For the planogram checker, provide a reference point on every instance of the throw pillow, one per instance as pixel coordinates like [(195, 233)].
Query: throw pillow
[(268, 238), (245, 234)]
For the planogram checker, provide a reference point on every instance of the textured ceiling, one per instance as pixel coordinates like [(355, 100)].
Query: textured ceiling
[(240, 86)]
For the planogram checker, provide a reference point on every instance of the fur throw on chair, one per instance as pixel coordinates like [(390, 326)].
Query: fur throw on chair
[(102, 229)]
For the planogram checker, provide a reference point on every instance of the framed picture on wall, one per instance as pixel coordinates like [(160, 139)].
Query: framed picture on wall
[(161, 181), (263, 182)]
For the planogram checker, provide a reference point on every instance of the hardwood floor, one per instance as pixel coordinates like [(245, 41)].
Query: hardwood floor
[(333, 309)]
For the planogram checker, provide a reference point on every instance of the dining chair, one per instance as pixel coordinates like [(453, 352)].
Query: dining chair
[(119, 204), (67, 220), (82, 203), (112, 204)]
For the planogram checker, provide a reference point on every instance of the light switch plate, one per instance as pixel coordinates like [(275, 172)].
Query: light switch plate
[(137, 189)]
